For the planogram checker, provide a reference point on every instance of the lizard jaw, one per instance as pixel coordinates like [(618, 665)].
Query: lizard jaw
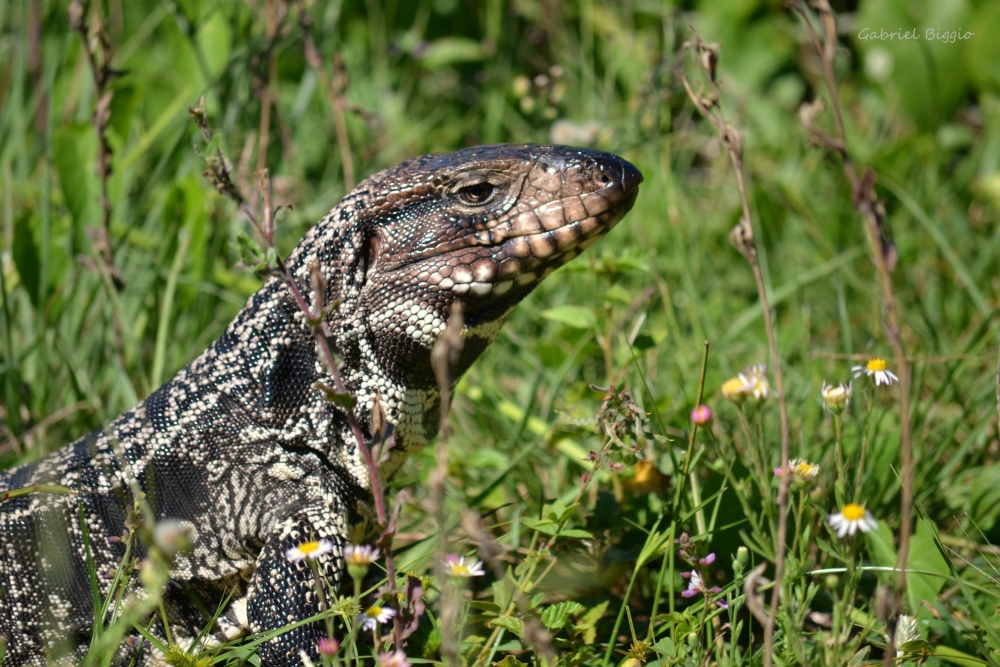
[(521, 261)]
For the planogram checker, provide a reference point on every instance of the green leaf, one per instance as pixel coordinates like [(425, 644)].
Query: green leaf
[(925, 557), (882, 549), (215, 39), (73, 151), (577, 533), (653, 547), (860, 657), (666, 647), (248, 251), (643, 342), (486, 607), (503, 591), (510, 661), (25, 254), (451, 50), (587, 625), (577, 317), (343, 400), (543, 526), (123, 108), (557, 511), (510, 623), (556, 616)]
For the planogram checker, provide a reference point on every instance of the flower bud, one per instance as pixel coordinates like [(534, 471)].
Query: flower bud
[(328, 646), (836, 396), (701, 415)]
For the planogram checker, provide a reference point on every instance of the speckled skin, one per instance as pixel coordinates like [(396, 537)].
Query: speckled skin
[(242, 448)]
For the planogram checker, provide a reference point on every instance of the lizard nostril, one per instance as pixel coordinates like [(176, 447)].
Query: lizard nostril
[(601, 178)]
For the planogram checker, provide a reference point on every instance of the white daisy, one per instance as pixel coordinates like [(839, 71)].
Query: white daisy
[(751, 383), (458, 567), (800, 469), (756, 380), (836, 396), (309, 550), (876, 368), (851, 518), (360, 555), (375, 614)]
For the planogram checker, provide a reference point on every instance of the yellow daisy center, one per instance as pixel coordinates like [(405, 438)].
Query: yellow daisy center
[(732, 386), (459, 570), (853, 512), (804, 468), (875, 365), (374, 611), (307, 548)]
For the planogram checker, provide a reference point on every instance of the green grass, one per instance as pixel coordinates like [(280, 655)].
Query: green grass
[(633, 312)]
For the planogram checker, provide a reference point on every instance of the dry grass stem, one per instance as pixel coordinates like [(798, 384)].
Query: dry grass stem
[(97, 46), (884, 256), (742, 237), (335, 88), (444, 357), (218, 172)]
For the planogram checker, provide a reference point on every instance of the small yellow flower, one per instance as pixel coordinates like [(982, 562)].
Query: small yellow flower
[(836, 396), (876, 368), (309, 550), (851, 518), (734, 389)]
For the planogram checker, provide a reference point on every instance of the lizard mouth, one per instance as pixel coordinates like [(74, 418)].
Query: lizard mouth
[(520, 261)]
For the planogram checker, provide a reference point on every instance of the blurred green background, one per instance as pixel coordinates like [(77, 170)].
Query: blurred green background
[(436, 75)]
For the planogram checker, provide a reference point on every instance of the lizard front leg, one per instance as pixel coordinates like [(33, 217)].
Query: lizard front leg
[(283, 589)]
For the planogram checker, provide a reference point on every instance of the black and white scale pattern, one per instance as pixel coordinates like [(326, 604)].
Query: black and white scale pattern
[(241, 448)]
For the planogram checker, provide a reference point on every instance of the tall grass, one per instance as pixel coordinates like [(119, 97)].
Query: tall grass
[(391, 80)]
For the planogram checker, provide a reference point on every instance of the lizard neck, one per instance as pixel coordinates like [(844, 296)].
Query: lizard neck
[(374, 364)]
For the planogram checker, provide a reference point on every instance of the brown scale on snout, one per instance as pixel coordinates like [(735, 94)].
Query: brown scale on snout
[(503, 218)]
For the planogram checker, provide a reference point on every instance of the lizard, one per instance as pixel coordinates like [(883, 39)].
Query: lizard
[(243, 449)]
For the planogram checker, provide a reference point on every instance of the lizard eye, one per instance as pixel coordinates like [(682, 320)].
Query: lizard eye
[(476, 194)]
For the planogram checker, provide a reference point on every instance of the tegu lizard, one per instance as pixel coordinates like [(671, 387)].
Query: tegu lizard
[(245, 451)]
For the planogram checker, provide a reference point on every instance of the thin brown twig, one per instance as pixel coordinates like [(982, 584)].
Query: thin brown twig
[(997, 383), (866, 202), (335, 88), (742, 236), (444, 357), (97, 46), (218, 172), (266, 73)]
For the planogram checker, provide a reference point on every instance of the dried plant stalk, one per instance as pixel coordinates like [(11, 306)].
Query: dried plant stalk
[(97, 46), (219, 173), (884, 256), (742, 236)]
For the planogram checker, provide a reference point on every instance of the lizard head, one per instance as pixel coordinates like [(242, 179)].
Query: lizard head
[(483, 225)]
